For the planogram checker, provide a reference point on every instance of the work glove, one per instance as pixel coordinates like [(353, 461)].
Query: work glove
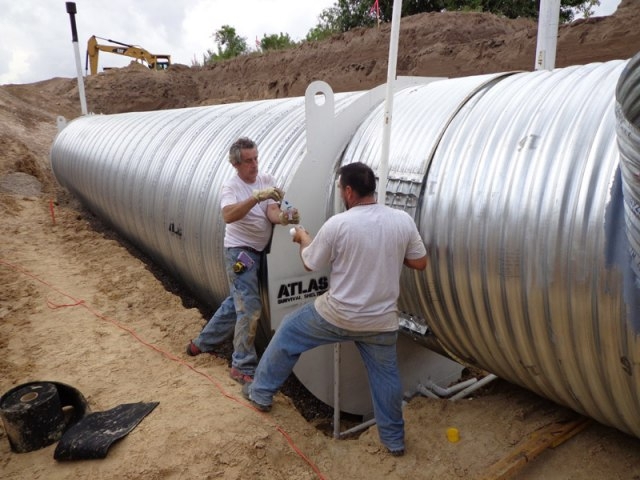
[(272, 192), (291, 216)]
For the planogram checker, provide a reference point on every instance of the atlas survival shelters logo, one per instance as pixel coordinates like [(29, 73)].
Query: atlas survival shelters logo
[(301, 290)]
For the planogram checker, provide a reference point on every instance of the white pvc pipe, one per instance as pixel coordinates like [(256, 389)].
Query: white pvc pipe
[(336, 390), (445, 392), (364, 425), (547, 42), (359, 427), (480, 383), (425, 392), (338, 206), (83, 99), (383, 169), (71, 10)]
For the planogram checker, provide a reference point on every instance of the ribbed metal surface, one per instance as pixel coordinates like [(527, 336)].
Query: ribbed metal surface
[(421, 116), (520, 216), (156, 176), (628, 121), (521, 211)]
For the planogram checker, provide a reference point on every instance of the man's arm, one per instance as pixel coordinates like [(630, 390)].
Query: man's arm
[(273, 213), (237, 211), (416, 263), (416, 247), (302, 237)]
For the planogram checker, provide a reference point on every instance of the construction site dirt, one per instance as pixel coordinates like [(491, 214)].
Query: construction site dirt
[(81, 306)]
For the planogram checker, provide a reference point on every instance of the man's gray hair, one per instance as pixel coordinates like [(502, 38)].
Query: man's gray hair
[(243, 143)]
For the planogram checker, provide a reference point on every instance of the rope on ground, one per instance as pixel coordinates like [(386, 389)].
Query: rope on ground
[(81, 303)]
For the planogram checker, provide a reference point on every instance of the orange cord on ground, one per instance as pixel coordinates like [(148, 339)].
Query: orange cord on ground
[(53, 215), (81, 303)]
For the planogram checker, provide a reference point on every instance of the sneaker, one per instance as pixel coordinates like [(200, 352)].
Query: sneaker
[(238, 376), (397, 453), (193, 350), (246, 393)]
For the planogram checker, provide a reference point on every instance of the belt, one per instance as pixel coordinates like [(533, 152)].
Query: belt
[(249, 249)]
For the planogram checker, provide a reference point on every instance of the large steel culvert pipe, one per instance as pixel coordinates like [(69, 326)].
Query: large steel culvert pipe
[(530, 264), (513, 180), (521, 206)]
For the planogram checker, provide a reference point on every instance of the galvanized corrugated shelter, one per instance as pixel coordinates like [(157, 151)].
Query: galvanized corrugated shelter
[(515, 183)]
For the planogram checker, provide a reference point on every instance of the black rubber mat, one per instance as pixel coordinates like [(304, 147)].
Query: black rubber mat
[(91, 437)]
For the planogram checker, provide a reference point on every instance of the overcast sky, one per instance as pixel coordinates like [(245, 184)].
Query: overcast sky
[(35, 35)]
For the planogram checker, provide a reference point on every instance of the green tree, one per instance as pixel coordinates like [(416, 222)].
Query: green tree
[(412, 7), (524, 8), (586, 9), (276, 42), (230, 45), (319, 33), (347, 14), (326, 26)]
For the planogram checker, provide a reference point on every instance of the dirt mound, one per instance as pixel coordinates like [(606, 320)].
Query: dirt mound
[(431, 44)]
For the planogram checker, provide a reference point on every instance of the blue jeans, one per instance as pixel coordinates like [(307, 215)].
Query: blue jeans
[(237, 315), (305, 329)]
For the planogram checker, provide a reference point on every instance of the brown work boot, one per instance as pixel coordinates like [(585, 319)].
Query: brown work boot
[(246, 393), (240, 377), (193, 350)]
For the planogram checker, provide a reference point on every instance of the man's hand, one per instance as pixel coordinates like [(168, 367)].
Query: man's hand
[(286, 220), (300, 235), (272, 192)]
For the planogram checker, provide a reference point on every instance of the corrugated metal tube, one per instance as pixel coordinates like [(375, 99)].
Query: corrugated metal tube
[(515, 181), (520, 204)]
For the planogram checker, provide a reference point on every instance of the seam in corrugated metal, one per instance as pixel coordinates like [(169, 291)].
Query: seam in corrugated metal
[(423, 114)]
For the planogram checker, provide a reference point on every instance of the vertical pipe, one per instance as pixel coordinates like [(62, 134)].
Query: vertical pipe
[(383, 169), (336, 390), (547, 34), (337, 207), (71, 10)]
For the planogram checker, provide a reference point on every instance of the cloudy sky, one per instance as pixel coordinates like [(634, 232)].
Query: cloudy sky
[(35, 35)]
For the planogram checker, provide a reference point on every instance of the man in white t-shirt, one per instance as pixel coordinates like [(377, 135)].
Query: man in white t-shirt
[(250, 208), (366, 247)]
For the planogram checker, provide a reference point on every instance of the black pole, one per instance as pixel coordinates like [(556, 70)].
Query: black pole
[(71, 10)]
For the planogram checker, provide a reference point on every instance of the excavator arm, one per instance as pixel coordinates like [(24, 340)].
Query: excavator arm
[(153, 61)]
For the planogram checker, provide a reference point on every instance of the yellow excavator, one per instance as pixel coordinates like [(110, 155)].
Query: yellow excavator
[(153, 61)]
